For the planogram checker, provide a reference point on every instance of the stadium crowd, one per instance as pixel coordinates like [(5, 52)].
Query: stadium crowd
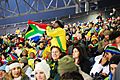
[(87, 51)]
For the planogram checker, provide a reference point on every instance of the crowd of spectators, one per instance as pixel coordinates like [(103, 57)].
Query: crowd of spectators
[(87, 51)]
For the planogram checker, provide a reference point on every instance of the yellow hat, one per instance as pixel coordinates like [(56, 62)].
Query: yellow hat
[(20, 45), (32, 50), (94, 38)]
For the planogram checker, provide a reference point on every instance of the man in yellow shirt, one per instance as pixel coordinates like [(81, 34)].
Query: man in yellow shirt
[(58, 35)]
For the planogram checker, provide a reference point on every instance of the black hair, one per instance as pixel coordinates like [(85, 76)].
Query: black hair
[(115, 59), (57, 48), (60, 23), (71, 76), (80, 52), (39, 60), (83, 62)]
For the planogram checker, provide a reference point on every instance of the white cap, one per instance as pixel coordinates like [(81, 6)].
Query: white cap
[(43, 66), (13, 65)]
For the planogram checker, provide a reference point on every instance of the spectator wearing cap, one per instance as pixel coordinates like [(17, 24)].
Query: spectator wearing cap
[(93, 46), (104, 42), (101, 62), (25, 67), (15, 72), (68, 70), (2, 71), (42, 70), (58, 35), (111, 50), (100, 66), (31, 57)]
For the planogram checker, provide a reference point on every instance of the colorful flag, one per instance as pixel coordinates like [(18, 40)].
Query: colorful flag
[(11, 57), (35, 30)]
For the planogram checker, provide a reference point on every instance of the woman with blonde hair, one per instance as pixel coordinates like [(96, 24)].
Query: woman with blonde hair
[(42, 71), (15, 72)]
